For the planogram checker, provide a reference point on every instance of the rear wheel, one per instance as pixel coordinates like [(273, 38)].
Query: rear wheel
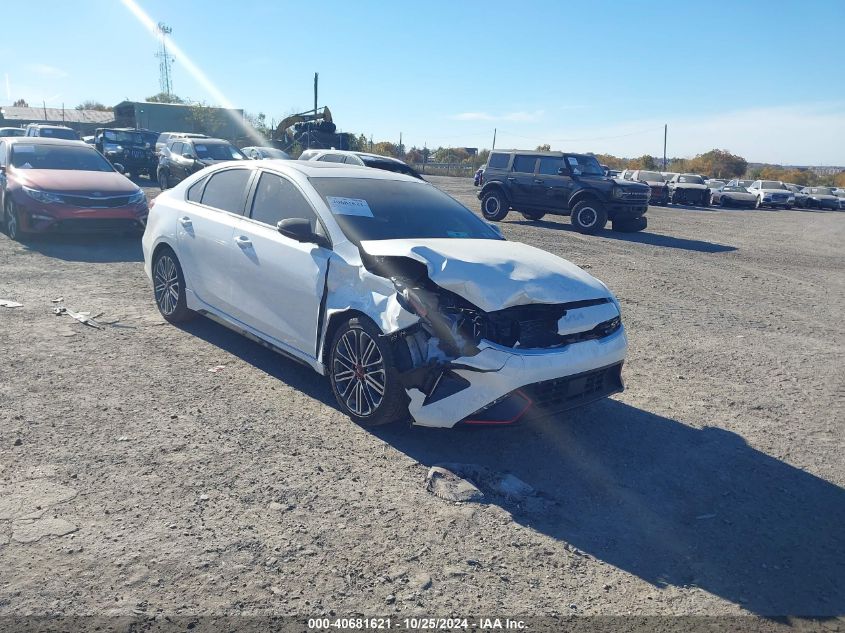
[(588, 217), (533, 215), (630, 225), (494, 205), (363, 375), (169, 287), (759, 203)]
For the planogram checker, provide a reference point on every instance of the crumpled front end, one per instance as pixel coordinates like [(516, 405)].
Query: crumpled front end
[(462, 364)]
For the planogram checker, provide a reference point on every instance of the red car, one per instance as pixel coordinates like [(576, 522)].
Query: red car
[(49, 185)]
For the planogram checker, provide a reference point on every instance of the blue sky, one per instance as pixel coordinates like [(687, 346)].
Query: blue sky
[(762, 79)]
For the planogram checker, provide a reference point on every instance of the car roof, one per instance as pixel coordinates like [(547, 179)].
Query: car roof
[(43, 140), (60, 127), (349, 152), (316, 169), (209, 141)]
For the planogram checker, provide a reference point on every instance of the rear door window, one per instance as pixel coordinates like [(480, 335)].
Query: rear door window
[(332, 158), (524, 164), (226, 190)]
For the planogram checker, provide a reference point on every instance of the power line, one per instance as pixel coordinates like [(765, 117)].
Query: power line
[(573, 140)]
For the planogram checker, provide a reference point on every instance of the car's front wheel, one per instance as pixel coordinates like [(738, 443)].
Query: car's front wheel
[(588, 217), (363, 375), (759, 203), (169, 287), (163, 180), (494, 205), (11, 221)]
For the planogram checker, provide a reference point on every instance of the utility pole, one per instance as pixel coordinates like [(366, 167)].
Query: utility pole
[(665, 134), (399, 149), (165, 82), (494, 138), (44, 103), (316, 79)]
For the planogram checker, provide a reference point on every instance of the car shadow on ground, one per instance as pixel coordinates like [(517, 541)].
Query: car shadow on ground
[(643, 237), (669, 503), (295, 374), (96, 249)]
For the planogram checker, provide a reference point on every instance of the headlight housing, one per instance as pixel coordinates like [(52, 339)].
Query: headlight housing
[(44, 197), (137, 197), (617, 192)]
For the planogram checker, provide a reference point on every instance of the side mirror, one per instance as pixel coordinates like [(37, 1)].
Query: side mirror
[(299, 229), (563, 171), (187, 155), (576, 171), (120, 168)]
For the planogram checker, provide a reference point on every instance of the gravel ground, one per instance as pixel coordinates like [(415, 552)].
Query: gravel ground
[(134, 480)]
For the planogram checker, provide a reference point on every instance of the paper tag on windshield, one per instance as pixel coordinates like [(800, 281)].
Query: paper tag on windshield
[(349, 206)]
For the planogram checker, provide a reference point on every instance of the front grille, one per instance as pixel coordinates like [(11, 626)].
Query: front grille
[(93, 202), (780, 197), (560, 394), (536, 326)]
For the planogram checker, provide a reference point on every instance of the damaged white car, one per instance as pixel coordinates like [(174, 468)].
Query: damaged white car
[(412, 305)]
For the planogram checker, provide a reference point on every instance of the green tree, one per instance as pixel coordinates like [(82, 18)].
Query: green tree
[(163, 97), (20, 103), (719, 163), (544, 148), (93, 105), (207, 120)]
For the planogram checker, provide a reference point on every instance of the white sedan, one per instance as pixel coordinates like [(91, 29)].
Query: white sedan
[(771, 193), (411, 304)]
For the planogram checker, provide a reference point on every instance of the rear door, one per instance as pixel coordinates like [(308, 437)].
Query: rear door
[(521, 179), (280, 281), (552, 187), (204, 233)]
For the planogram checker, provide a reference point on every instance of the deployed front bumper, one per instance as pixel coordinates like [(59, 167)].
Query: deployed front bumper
[(497, 372)]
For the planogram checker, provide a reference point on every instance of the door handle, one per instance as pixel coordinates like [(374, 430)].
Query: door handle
[(242, 241), (185, 221), (511, 178), (538, 181)]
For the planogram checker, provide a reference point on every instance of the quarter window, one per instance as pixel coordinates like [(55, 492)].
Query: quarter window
[(524, 164), (195, 191), (498, 161), (278, 199), (226, 190)]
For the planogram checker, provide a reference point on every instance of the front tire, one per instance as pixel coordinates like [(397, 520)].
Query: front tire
[(11, 221), (363, 375), (163, 180), (169, 287), (759, 203), (588, 217), (494, 205)]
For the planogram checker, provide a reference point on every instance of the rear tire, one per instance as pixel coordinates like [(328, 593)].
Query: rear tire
[(588, 217), (494, 205), (363, 375), (533, 216), (11, 222), (163, 180), (169, 287), (630, 225)]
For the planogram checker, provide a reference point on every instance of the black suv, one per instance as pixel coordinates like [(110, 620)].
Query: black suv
[(182, 157), (127, 148), (537, 183)]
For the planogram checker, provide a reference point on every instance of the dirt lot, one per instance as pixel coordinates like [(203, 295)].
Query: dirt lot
[(133, 478)]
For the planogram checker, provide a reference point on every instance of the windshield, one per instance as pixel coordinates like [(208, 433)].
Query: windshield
[(118, 136), (772, 184), (651, 175), (693, 180), (12, 132), (218, 151), (46, 156), (58, 132), (375, 209), (734, 188), (823, 191), (586, 165), (271, 152)]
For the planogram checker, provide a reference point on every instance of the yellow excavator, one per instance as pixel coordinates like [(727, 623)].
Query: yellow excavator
[(310, 129)]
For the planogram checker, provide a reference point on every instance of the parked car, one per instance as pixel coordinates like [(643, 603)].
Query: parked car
[(478, 179), (12, 131), (128, 149), (150, 136), (733, 196), (654, 179), (800, 197), (714, 183), (741, 183), (50, 185), (364, 159), (408, 302), (185, 156), (821, 198), (52, 131), (165, 137), (668, 175), (771, 193), (259, 153), (537, 183), (688, 189)]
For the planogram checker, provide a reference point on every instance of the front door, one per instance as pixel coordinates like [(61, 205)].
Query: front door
[(552, 186), (280, 282)]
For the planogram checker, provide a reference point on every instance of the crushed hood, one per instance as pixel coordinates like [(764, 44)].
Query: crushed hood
[(494, 274)]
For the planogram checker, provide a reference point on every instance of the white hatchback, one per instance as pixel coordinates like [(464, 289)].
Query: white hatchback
[(411, 304)]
